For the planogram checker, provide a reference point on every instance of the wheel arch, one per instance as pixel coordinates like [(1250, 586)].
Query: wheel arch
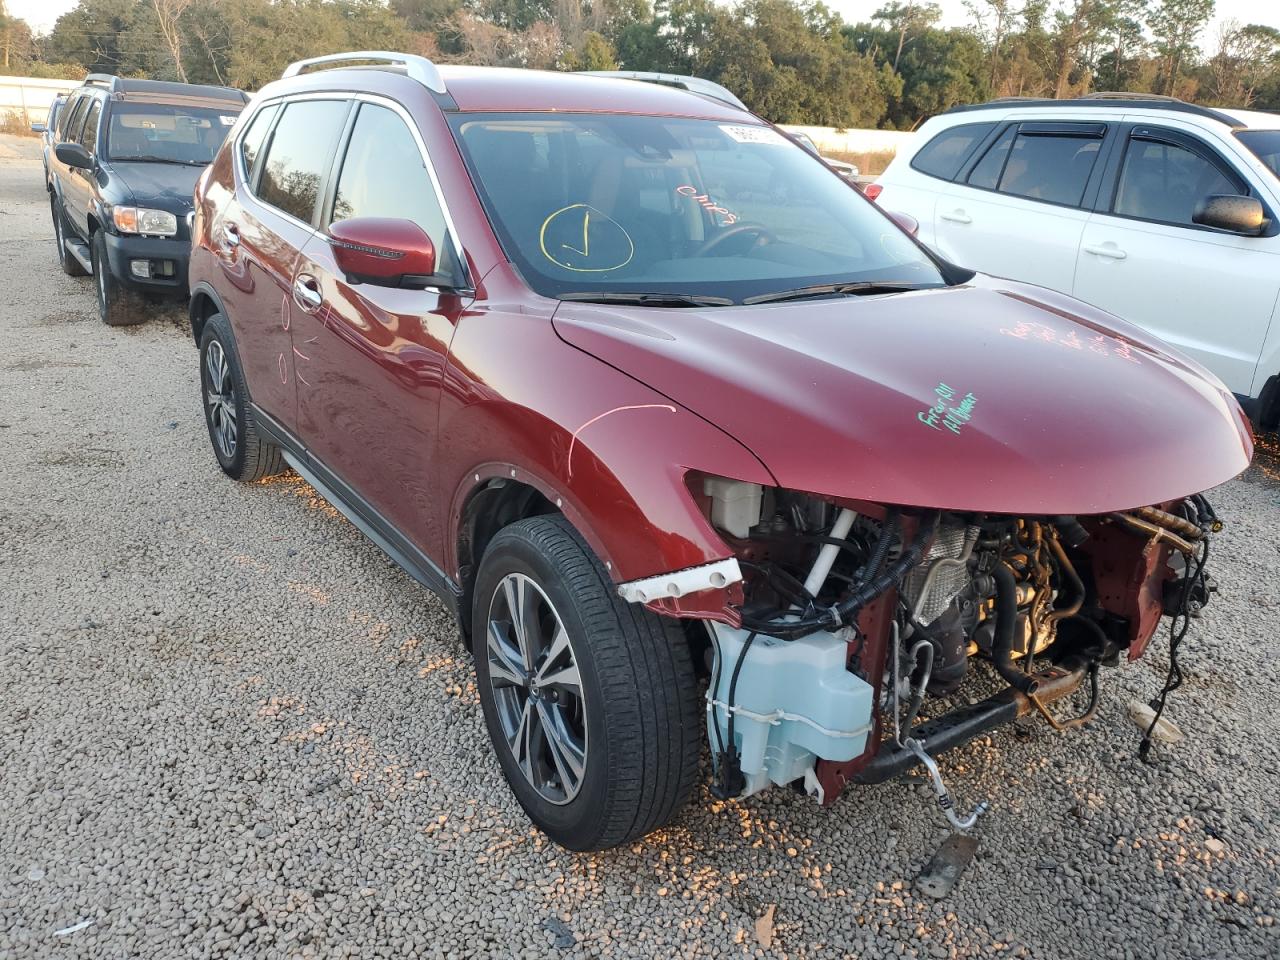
[(1267, 409), (498, 496), (203, 304)]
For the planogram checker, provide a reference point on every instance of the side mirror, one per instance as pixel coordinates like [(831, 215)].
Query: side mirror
[(386, 252), (38, 127), (74, 155), (906, 221), (1243, 215)]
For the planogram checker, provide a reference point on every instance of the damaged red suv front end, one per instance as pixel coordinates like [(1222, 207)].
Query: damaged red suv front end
[(988, 472), (686, 431)]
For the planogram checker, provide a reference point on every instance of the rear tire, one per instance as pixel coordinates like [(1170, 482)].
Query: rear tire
[(618, 692), (69, 264), (117, 306), (242, 452)]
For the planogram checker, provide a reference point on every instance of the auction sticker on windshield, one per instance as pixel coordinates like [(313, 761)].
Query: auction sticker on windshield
[(750, 134)]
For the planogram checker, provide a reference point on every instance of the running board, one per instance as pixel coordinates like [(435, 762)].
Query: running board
[(80, 251), (964, 723)]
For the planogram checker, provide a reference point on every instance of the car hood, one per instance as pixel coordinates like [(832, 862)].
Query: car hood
[(165, 186), (993, 396)]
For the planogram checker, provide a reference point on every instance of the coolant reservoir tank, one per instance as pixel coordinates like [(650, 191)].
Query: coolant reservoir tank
[(794, 702)]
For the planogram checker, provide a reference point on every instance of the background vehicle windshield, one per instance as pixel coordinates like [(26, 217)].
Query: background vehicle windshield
[(1264, 143), (601, 203), (166, 132)]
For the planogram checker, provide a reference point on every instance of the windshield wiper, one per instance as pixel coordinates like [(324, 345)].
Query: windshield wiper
[(859, 289), (185, 163), (648, 299)]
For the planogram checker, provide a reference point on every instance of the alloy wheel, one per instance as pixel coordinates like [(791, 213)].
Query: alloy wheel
[(220, 399), (61, 250), (537, 688)]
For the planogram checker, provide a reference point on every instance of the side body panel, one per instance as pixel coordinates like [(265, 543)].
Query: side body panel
[(248, 252), (79, 187), (369, 362)]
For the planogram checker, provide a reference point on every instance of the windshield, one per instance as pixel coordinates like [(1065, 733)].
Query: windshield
[(168, 133), (616, 205), (1264, 143)]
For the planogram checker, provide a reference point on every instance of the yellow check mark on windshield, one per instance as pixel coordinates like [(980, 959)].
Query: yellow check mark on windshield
[(586, 245)]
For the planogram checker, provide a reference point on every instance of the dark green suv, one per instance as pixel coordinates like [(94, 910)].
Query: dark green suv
[(126, 158)]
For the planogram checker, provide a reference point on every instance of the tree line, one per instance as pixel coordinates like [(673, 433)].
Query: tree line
[(791, 61)]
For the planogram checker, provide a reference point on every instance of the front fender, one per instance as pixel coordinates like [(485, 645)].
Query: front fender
[(609, 452)]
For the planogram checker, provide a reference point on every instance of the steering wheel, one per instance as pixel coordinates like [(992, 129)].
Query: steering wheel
[(738, 229)]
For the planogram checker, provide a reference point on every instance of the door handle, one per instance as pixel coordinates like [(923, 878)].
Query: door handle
[(306, 292), (232, 233), (957, 216), (1109, 250)]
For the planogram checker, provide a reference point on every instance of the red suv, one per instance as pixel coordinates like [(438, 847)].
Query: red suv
[(687, 432)]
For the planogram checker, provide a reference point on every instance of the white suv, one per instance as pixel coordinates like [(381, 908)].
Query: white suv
[(1162, 212)]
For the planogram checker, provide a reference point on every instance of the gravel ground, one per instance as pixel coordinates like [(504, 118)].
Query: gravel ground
[(229, 726)]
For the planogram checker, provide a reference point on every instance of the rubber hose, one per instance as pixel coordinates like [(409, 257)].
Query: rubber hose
[(1006, 624)]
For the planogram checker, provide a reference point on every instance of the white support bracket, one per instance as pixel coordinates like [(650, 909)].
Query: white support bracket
[(707, 576)]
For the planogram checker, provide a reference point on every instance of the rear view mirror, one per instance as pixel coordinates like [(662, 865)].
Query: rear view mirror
[(906, 221), (1243, 215), (38, 127), (386, 252), (74, 155)]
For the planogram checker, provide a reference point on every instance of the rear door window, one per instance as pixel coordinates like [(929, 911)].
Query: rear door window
[(946, 153), (89, 132), (1164, 181), (299, 154), (74, 117), (1051, 162)]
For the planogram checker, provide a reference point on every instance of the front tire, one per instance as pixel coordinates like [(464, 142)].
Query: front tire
[(117, 306), (591, 702), (242, 452)]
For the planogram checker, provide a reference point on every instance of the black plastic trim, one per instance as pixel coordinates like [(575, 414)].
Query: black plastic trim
[(360, 512), (205, 289)]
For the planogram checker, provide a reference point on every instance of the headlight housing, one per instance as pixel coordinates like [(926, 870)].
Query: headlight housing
[(143, 220)]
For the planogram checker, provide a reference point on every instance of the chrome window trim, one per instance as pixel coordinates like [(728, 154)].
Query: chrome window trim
[(453, 238), (242, 176)]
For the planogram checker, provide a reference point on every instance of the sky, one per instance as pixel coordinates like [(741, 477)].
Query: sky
[(41, 14)]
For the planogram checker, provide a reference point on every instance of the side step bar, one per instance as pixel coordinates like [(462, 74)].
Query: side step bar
[(80, 251), (964, 723)]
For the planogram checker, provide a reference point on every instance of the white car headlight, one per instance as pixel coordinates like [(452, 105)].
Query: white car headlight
[(155, 223)]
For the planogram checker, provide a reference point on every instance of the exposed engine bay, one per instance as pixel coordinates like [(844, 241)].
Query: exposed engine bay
[(858, 620)]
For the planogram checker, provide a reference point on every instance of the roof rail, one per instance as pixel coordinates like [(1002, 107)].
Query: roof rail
[(1124, 95), (708, 88), (1109, 101), (417, 68)]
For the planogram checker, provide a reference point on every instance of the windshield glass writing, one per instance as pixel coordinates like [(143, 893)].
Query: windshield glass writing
[(168, 133), (656, 204)]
